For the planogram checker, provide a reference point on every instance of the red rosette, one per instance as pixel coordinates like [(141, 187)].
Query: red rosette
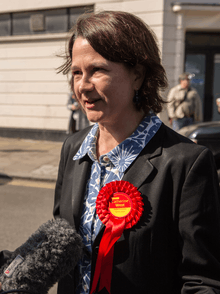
[(107, 192), (119, 206)]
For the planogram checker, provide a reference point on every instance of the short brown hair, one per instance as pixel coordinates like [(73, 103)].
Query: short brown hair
[(184, 76), (123, 37)]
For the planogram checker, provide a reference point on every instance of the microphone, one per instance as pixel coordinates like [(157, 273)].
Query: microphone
[(48, 255)]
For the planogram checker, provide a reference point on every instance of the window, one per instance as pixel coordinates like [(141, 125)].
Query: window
[(40, 22), (5, 24), (194, 39), (202, 58)]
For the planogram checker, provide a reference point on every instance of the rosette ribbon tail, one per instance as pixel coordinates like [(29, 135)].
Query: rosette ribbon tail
[(104, 263)]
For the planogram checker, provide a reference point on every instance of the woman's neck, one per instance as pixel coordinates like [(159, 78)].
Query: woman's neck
[(112, 135)]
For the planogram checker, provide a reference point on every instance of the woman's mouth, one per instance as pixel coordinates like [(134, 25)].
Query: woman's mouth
[(91, 103)]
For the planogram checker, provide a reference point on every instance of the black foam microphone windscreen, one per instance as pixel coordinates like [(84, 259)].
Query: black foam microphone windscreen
[(48, 255)]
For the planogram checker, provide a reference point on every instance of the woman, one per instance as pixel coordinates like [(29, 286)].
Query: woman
[(174, 246)]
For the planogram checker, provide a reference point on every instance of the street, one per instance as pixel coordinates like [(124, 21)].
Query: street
[(25, 205)]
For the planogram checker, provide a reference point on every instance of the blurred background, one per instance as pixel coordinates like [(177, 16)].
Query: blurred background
[(32, 33)]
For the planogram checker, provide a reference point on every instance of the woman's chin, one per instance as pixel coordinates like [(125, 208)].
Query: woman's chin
[(93, 117)]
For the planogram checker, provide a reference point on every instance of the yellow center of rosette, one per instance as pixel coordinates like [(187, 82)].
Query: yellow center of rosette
[(120, 205)]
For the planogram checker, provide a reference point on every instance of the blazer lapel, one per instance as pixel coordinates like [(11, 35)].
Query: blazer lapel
[(81, 174), (75, 177), (140, 170)]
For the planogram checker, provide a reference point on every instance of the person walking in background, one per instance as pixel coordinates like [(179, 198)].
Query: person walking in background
[(184, 104), (78, 120), (70, 105), (218, 104)]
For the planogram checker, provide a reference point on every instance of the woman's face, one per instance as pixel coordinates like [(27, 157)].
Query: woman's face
[(105, 89)]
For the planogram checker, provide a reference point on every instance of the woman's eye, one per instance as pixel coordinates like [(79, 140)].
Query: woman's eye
[(95, 69), (76, 72)]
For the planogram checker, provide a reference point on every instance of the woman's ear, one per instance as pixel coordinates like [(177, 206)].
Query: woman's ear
[(139, 71)]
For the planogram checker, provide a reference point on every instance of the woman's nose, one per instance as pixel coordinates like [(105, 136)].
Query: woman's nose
[(85, 86)]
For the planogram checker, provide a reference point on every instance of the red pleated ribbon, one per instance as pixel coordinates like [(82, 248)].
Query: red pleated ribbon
[(115, 225)]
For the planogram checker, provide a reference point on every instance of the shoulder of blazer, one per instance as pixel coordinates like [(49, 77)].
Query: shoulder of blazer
[(177, 147), (168, 142)]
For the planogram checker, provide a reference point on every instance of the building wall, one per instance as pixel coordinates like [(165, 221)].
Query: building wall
[(203, 16), (33, 96), (195, 15)]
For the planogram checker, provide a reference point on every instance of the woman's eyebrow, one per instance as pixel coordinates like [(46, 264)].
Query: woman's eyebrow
[(92, 64)]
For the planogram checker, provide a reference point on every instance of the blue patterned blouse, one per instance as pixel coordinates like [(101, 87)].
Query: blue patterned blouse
[(110, 167)]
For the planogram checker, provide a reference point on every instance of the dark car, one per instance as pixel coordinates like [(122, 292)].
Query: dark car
[(207, 134)]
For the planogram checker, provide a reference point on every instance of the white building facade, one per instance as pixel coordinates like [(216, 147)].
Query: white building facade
[(33, 33)]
